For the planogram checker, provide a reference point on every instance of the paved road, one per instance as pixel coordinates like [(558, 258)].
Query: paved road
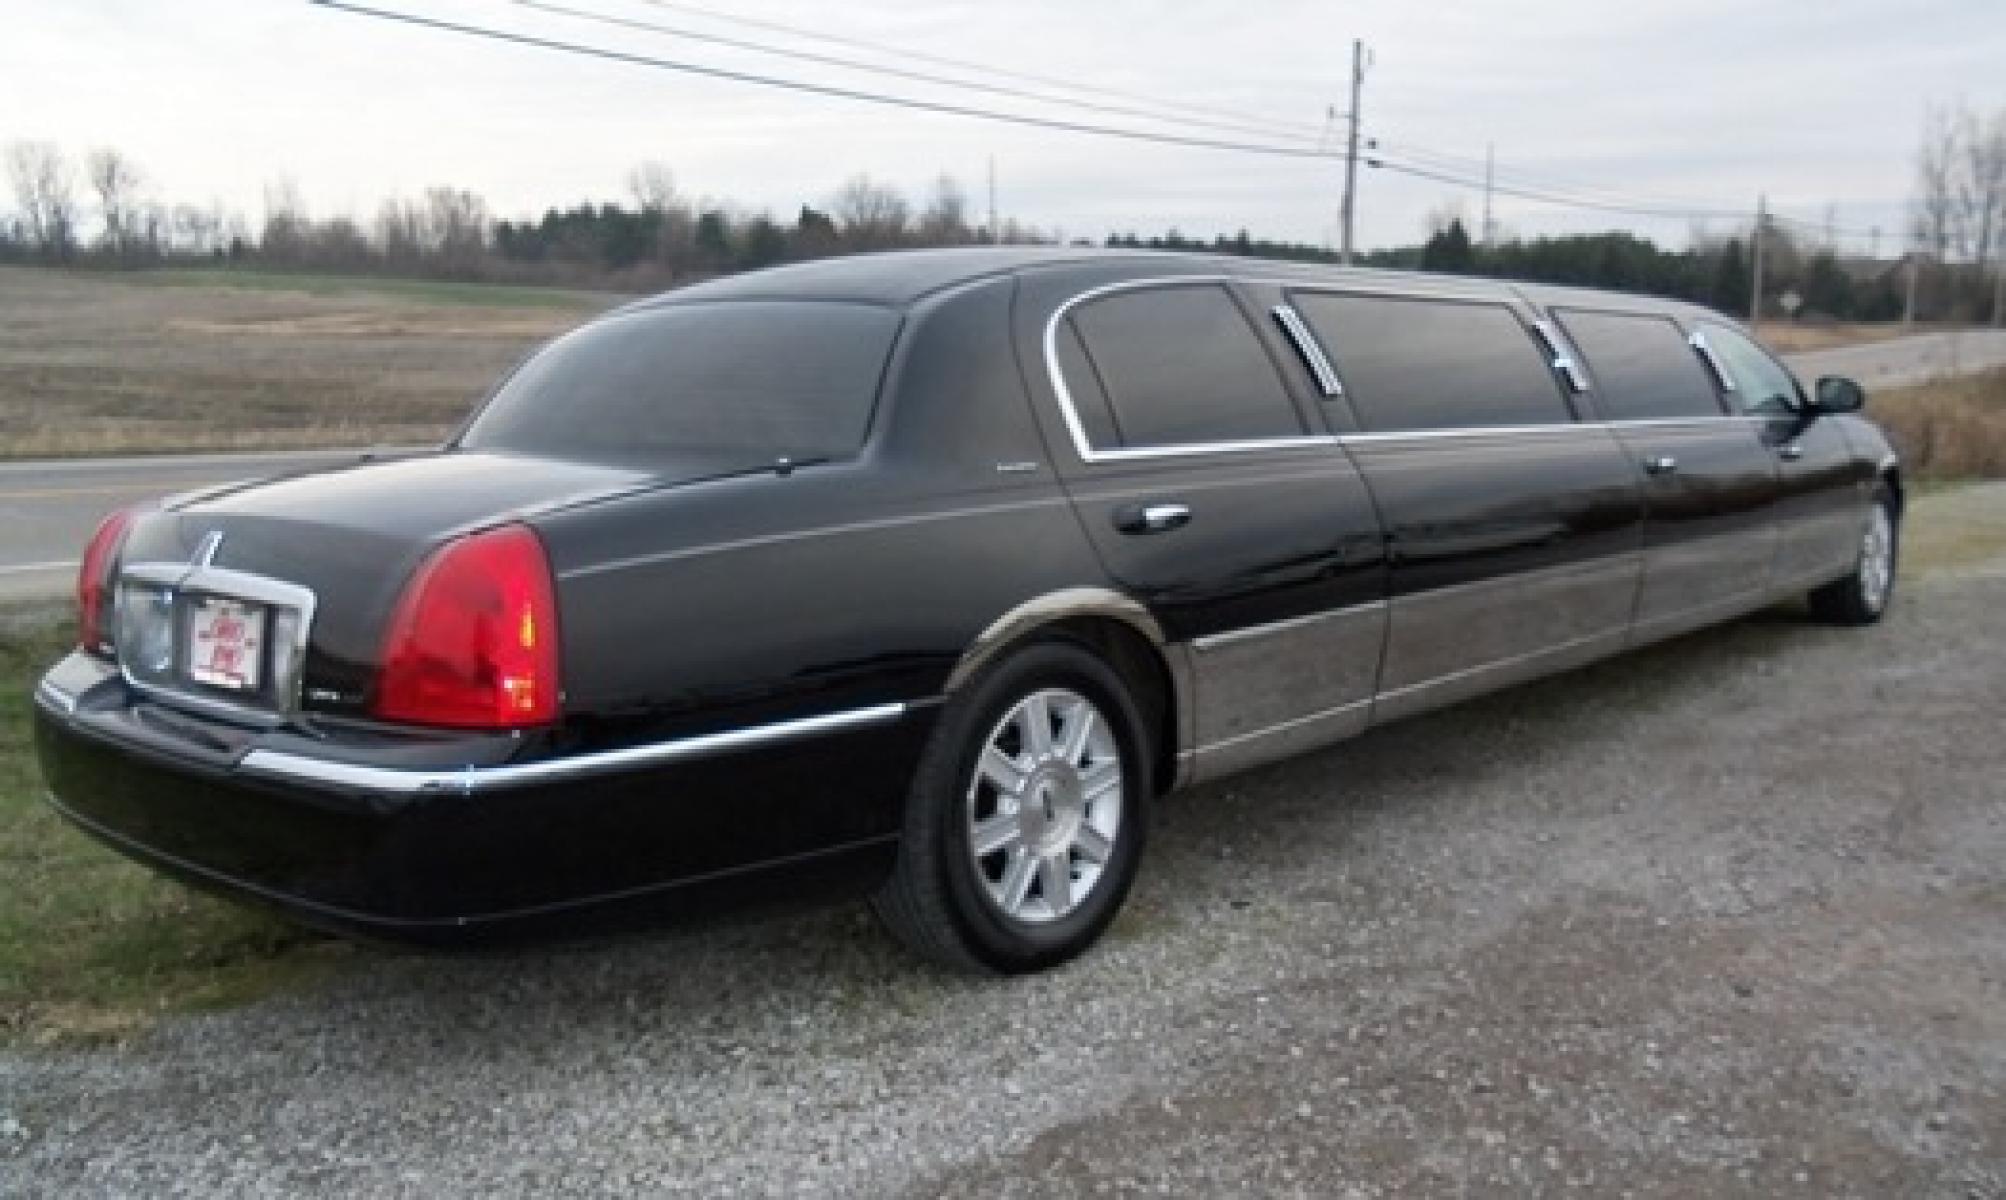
[(1902, 361), (48, 509), (1723, 918)]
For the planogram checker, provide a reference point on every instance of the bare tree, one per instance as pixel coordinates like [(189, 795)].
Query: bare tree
[(45, 192), (945, 221), (653, 186), (117, 180), (871, 217), (457, 222), (1981, 185), (1933, 218), (288, 234)]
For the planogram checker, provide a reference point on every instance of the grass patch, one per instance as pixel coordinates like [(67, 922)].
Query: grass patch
[(423, 291), (1949, 429), (93, 947)]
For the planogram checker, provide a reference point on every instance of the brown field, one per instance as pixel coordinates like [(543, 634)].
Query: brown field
[(96, 364), (1787, 337), (1949, 429)]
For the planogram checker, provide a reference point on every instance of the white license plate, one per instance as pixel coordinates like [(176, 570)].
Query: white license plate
[(226, 643)]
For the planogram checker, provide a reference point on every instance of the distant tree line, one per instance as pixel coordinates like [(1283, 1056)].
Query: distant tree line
[(101, 211), (1713, 272), (657, 237)]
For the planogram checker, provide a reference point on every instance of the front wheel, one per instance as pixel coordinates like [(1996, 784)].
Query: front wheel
[(1862, 597), (1024, 826)]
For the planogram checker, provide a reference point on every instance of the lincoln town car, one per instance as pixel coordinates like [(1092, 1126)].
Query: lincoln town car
[(921, 577)]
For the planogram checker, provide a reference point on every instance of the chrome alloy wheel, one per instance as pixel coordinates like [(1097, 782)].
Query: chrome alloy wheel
[(1877, 560), (1044, 805)]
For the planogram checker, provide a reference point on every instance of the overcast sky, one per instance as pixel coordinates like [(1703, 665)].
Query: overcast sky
[(1700, 103)]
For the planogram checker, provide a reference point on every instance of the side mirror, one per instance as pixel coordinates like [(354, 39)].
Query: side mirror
[(1838, 394)]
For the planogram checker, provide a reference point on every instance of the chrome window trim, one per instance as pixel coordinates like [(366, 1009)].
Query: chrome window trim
[(1565, 360), (396, 781), (1070, 412), (1697, 340), (289, 662), (1089, 454), (1309, 349)]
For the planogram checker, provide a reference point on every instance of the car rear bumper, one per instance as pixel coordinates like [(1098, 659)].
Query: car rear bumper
[(395, 843)]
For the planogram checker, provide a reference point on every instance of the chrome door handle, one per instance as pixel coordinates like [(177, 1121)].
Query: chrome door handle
[(1790, 452), (1662, 464), (1151, 518)]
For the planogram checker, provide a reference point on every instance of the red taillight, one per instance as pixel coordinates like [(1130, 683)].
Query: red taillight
[(94, 581), (473, 643)]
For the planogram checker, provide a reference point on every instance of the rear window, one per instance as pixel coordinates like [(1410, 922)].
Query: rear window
[(1177, 366), (1642, 366), (753, 379), (1433, 364)]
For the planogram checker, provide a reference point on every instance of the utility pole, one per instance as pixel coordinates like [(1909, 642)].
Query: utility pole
[(1908, 305), (1755, 253), (1490, 169), (1999, 293), (995, 234), (1351, 148)]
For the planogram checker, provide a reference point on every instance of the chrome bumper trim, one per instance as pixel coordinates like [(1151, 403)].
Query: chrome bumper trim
[(55, 699), (301, 768)]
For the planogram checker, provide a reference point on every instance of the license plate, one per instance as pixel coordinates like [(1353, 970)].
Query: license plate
[(226, 643)]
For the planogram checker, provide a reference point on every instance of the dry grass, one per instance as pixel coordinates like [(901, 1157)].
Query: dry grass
[(96, 364), (1950, 429), (1790, 338)]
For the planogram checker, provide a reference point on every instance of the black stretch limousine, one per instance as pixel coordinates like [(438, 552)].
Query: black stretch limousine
[(921, 574)]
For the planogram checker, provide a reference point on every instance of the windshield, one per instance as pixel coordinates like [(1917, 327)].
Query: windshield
[(747, 380)]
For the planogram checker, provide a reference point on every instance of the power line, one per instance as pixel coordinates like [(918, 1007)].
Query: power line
[(818, 89), (1522, 193), (879, 69), (1552, 185), (1246, 119)]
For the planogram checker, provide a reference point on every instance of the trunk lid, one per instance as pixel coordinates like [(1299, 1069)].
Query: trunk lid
[(316, 562)]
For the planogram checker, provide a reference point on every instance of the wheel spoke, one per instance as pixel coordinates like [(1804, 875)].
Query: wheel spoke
[(1036, 717), (1092, 843), (1001, 771), (1078, 728), (1099, 780), (1055, 879), (999, 832), (1016, 882)]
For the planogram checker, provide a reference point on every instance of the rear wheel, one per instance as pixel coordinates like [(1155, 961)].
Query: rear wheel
[(1862, 596), (1024, 826)]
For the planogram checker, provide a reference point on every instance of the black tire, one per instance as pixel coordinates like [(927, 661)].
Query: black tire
[(938, 899), (1862, 597)]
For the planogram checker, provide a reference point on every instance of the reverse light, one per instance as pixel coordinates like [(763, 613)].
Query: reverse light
[(473, 641), (94, 583)]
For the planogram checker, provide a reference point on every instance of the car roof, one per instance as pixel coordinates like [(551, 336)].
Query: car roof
[(904, 277)]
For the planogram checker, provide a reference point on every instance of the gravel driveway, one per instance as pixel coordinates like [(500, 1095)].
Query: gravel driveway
[(1724, 917)]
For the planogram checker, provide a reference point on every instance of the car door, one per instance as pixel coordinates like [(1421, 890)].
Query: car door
[(1823, 508), (1710, 484), (1514, 529), (1211, 499)]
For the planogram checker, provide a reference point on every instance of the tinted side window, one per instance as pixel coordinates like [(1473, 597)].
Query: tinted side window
[(1761, 384), (1642, 366), (746, 381), (1182, 365), (1434, 364)]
